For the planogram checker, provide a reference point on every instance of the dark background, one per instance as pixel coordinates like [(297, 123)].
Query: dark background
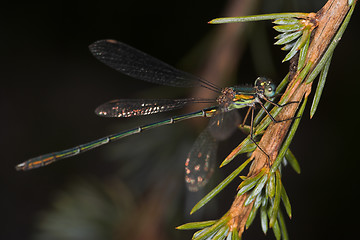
[(51, 84)]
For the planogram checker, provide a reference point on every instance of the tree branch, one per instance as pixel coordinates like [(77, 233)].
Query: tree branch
[(327, 20)]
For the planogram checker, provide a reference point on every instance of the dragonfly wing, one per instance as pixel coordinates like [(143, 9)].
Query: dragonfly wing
[(223, 124), (199, 164), (140, 65), (139, 107)]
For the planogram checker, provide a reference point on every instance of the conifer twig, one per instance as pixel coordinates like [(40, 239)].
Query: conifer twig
[(310, 39), (328, 20)]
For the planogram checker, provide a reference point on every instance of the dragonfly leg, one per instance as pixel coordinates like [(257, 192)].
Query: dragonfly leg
[(252, 135), (279, 105), (271, 117), (246, 116)]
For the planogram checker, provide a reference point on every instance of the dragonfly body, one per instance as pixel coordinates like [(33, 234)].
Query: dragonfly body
[(139, 65), (238, 97), (231, 98), (47, 159)]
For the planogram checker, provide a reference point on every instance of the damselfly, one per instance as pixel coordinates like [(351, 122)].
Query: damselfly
[(136, 64)]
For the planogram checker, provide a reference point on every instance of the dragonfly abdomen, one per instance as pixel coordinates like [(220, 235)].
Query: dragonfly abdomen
[(49, 158)]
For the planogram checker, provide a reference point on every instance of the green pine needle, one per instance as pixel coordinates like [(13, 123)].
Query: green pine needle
[(208, 232), (243, 145), (288, 28), (299, 44), (284, 233), (276, 204), (251, 217), (291, 159), (249, 183), (259, 186), (289, 138), (276, 230), (264, 219), (253, 18), (286, 21), (320, 87), (270, 187), (286, 202), (287, 38), (196, 225), (220, 233), (303, 54)]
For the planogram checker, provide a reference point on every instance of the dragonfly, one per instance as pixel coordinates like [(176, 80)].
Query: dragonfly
[(139, 65)]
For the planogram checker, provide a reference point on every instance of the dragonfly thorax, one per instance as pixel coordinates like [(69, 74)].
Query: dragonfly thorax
[(245, 96), (226, 98)]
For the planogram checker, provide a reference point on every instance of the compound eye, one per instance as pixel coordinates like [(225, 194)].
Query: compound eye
[(270, 90)]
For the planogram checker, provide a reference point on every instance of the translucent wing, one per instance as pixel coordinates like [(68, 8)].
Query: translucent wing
[(137, 107), (199, 164), (140, 65), (223, 124)]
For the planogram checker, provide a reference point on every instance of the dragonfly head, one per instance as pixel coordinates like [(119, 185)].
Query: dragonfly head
[(265, 87)]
